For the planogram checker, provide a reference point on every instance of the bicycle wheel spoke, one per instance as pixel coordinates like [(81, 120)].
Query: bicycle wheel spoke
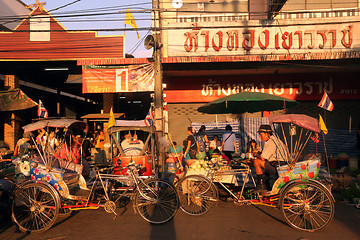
[(311, 206), (35, 207), (157, 201), (197, 194)]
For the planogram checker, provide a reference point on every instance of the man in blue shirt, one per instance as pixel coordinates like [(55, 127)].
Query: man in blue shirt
[(228, 145)]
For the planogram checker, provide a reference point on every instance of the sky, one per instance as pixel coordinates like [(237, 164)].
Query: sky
[(109, 18)]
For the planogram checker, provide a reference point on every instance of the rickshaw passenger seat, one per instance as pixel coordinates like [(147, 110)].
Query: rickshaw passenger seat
[(71, 177), (72, 171)]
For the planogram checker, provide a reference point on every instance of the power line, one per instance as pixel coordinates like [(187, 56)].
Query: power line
[(63, 6), (94, 12), (138, 43), (202, 27)]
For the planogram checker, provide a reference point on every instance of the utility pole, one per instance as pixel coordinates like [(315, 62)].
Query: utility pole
[(158, 91)]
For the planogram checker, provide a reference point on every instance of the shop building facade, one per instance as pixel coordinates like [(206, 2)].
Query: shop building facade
[(38, 55), (295, 50)]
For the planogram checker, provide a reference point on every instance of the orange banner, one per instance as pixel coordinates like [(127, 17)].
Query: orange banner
[(133, 78)]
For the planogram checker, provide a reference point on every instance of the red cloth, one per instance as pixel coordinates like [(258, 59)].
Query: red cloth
[(64, 152)]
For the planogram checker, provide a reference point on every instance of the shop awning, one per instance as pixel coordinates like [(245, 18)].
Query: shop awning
[(101, 116), (15, 99), (74, 78)]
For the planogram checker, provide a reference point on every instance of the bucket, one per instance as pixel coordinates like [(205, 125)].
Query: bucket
[(332, 163), (353, 162)]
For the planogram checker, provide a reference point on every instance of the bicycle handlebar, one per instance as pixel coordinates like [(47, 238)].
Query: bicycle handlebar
[(136, 166), (97, 169)]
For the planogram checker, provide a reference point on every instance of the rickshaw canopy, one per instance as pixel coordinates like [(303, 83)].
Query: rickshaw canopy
[(130, 125), (301, 120), (55, 123)]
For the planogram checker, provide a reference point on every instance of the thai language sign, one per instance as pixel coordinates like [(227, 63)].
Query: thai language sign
[(296, 87), (107, 79), (267, 38)]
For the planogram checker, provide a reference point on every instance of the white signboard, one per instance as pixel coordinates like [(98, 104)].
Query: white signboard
[(37, 26), (268, 38)]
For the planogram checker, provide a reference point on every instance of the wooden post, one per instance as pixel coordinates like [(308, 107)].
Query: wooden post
[(11, 125), (158, 91)]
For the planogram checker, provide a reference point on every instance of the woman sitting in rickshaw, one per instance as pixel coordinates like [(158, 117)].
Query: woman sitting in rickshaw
[(69, 151)]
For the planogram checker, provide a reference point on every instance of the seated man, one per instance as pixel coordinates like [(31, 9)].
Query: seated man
[(131, 145), (274, 153)]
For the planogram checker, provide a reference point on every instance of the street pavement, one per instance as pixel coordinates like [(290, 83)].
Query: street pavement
[(225, 221)]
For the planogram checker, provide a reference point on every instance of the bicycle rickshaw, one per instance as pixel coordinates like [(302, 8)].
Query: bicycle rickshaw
[(56, 187), (306, 202), (132, 148)]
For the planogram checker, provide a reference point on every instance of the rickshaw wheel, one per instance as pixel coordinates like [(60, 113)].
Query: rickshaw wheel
[(197, 194), (35, 207), (64, 212), (307, 206), (156, 201)]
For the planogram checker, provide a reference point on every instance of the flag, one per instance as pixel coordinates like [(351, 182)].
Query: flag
[(326, 103), (111, 118), (42, 112), (130, 20), (149, 119), (322, 125)]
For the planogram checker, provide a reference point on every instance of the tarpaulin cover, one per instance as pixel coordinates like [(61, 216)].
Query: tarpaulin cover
[(15, 99), (301, 120)]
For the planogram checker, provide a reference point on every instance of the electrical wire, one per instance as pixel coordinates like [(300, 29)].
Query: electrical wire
[(97, 12), (63, 6), (132, 50), (231, 26)]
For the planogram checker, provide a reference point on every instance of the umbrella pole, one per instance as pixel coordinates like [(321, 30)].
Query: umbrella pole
[(247, 125), (291, 143)]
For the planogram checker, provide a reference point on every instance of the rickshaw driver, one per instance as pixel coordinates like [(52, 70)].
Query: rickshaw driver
[(272, 154)]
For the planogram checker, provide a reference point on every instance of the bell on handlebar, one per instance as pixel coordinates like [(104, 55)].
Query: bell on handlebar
[(118, 162)]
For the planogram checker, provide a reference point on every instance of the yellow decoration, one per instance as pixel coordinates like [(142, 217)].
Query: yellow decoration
[(111, 118), (322, 125), (38, 4), (130, 20)]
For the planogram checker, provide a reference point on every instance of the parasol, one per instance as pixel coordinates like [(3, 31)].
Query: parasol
[(247, 102), (301, 120), (305, 122)]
